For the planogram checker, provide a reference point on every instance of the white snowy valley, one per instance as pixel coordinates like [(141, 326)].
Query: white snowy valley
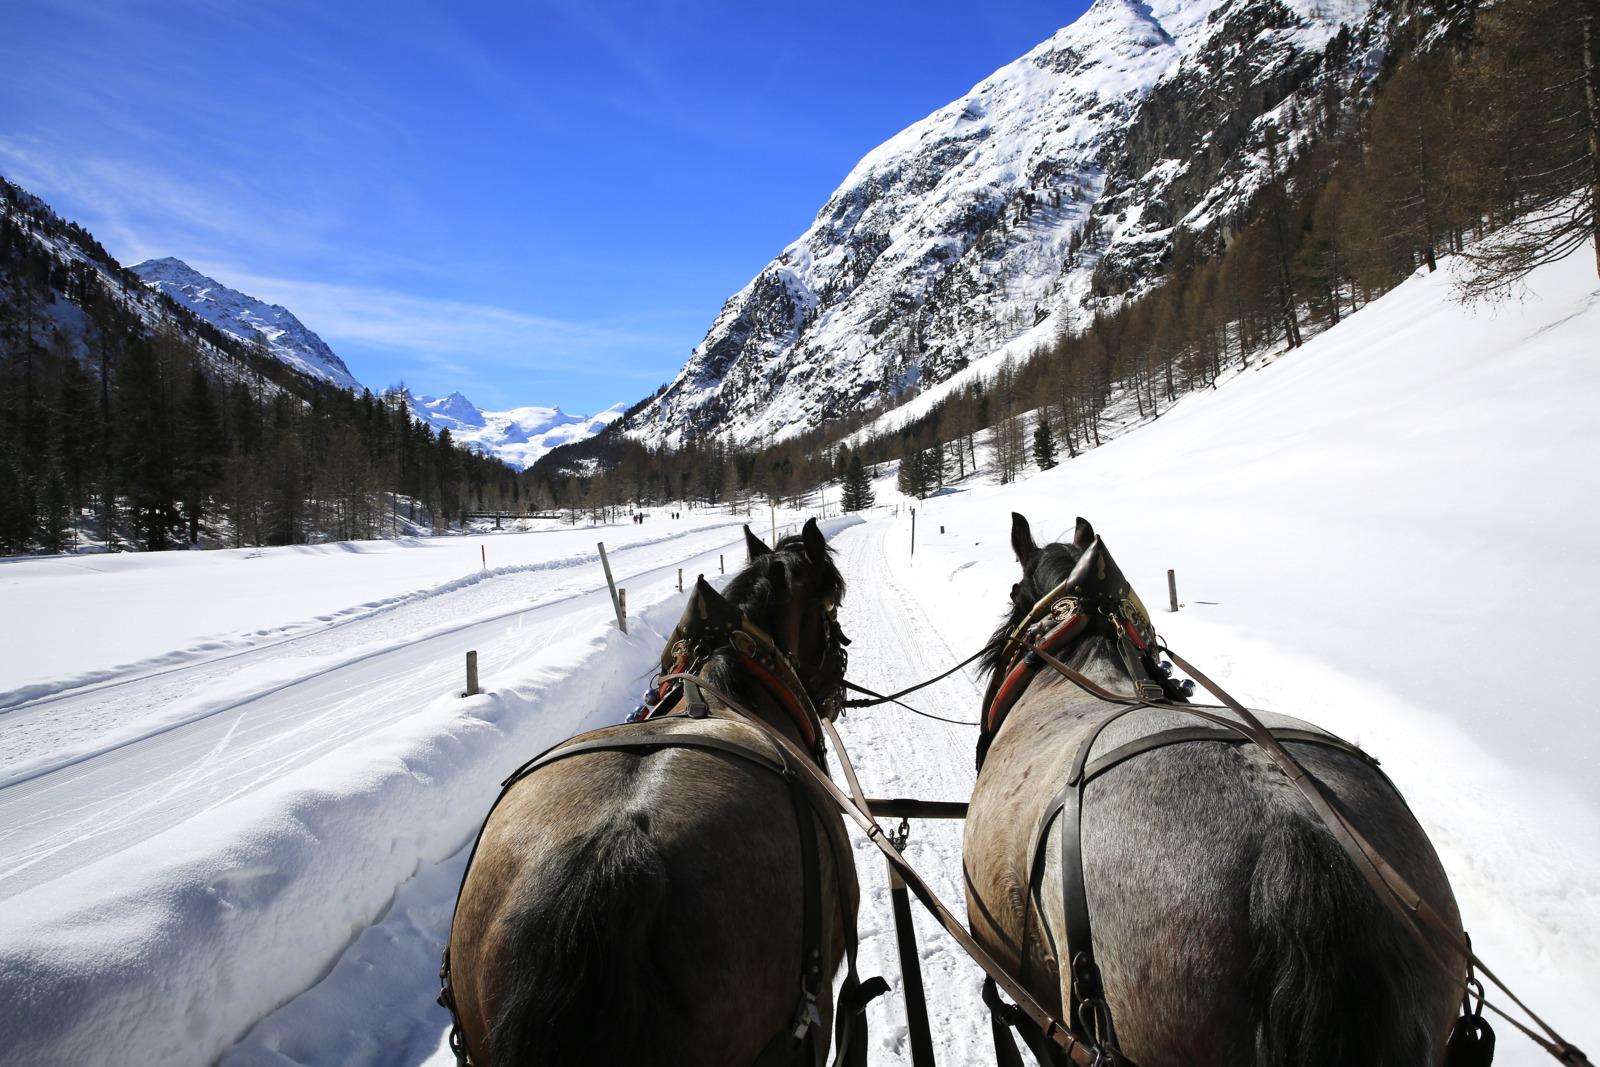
[(237, 787)]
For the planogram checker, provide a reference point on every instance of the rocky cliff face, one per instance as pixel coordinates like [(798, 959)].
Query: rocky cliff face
[(1056, 183)]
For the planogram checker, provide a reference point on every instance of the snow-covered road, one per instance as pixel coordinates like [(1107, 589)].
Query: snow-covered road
[(899, 754)]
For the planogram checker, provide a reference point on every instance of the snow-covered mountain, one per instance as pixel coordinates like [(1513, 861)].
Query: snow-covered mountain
[(247, 318), (518, 436), (1052, 185)]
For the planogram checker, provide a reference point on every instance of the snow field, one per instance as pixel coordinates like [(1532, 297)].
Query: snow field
[(200, 879), (95, 617), (1385, 533)]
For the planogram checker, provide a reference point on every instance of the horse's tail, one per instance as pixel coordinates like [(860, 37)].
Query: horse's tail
[(1337, 979), (579, 958)]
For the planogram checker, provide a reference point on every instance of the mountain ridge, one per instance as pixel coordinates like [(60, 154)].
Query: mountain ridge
[(517, 436), (1017, 209)]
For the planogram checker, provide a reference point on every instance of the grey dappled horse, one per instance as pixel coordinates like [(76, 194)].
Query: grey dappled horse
[(645, 907), (1228, 926)]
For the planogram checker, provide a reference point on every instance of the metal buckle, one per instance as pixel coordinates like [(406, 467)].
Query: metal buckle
[(806, 1017)]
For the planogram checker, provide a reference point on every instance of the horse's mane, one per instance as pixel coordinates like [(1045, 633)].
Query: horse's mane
[(765, 586), (1050, 568)]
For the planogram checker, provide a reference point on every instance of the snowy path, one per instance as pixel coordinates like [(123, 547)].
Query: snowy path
[(898, 754)]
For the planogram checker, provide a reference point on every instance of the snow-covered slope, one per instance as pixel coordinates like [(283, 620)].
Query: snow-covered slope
[(247, 318), (987, 220), (518, 436)]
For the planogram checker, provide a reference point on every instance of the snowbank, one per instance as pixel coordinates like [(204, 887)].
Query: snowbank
[(177, 945)]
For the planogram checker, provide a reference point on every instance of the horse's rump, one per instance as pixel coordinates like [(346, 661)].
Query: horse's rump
[(1228, 924), (627, 905)]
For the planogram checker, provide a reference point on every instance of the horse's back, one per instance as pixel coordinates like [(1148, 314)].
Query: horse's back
[(1228, 925), (635, 906)]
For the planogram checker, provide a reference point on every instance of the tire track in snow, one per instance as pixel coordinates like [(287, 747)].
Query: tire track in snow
[(897, 753)]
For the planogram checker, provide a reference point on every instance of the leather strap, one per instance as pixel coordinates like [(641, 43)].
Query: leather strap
[(1053, 1029)]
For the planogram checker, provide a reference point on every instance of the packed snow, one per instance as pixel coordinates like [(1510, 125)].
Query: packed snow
[(1384, 532)]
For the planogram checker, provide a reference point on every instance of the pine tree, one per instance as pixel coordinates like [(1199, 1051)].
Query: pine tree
[(857, 495), (911, 480), (199, 455), (1044, 443)]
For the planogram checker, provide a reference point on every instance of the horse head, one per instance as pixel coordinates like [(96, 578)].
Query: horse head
[(788, 594), (793, 590), (1043, 569)]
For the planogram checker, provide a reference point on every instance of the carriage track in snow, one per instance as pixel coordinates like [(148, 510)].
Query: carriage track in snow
[(899, 754)]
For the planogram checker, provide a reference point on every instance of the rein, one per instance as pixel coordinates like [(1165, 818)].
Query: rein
[(894, 698), (1053, 1029)]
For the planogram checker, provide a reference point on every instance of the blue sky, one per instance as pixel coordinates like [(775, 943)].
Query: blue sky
[(538, 203)]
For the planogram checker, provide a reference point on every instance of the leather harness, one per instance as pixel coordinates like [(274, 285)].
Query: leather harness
[(708, 628), (1094, 596)]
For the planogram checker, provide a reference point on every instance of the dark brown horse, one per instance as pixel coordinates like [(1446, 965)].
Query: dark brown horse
[(1222, 922), (646, 902)]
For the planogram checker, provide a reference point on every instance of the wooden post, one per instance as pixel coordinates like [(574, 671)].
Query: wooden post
[(472, 674), (1172, 590), (483, 556), (680, 579), (720, 568), (773, 508), (913, 533), (617, 601)]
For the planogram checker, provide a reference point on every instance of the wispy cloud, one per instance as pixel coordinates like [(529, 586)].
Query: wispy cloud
[(449, 335), (139, 210)]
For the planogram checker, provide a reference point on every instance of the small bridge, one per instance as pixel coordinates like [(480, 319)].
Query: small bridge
[(500, 517)]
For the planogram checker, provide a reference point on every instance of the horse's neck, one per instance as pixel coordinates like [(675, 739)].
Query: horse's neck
[(733, 678), (1097, 659)]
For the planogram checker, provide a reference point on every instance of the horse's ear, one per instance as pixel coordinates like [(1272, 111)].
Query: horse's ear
[(1083, 534), (754, 547), (816, 544), (1022, 540)]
